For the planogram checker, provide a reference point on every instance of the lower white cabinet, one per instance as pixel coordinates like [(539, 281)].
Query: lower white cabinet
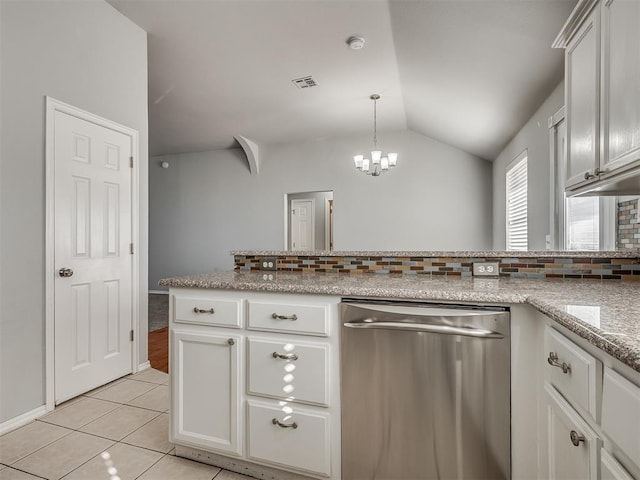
[(302, 441), (206, 390), (610, 469), (255, 377), (572, 446)]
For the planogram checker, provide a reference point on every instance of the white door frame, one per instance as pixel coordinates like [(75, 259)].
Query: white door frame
[(52, 106)]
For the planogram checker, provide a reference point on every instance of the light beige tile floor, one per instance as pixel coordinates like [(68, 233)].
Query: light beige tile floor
[(127, 418)]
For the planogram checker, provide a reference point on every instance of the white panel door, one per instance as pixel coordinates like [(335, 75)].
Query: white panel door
[(92, 216), (302, 225)]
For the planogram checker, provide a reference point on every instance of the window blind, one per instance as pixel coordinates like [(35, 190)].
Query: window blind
[(582, 230), (517, 204)]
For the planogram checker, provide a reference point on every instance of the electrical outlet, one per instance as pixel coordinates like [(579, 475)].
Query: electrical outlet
[(486, 269), (268, 263)]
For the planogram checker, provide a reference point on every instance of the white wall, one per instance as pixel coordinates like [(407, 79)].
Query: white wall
[(533, 136), (206, 204), (87, 54)]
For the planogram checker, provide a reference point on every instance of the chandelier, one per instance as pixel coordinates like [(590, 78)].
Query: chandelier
[(379, 162)]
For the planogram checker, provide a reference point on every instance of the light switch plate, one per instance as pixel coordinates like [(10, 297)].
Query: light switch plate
[(486, 269)]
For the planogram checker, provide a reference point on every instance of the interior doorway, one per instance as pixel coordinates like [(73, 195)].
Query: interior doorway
[(308, 221)]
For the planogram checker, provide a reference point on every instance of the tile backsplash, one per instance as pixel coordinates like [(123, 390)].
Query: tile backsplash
[(628, 225), (455, 264)]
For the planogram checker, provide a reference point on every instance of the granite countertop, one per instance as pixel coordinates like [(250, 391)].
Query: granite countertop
[(605, 313), (441, 253)]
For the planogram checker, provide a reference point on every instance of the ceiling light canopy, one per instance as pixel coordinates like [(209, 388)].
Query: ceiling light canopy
[(379, 162)]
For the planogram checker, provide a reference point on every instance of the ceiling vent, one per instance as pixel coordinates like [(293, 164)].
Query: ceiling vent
[(305, 82)]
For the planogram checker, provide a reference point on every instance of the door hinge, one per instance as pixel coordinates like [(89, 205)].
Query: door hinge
[(131, 335), (131, 248), (131, 162)]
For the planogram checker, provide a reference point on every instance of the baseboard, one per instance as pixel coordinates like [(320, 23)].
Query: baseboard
[(21, 420), (144, 366), (159, 292)]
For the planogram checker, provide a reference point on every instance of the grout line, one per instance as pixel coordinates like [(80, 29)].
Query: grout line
[(71, 430), (154, 463), (84, 463), (25, 471)]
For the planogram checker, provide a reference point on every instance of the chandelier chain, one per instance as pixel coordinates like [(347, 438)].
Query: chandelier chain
[(375, 123)]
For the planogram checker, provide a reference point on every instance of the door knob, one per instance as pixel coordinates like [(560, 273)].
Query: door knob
[(65, 272)]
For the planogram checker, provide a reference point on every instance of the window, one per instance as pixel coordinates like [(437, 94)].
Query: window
[(517, 203), (582, 223)]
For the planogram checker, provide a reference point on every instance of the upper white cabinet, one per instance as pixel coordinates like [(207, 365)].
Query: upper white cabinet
[(602, 94), (582, 85), (620, 20)]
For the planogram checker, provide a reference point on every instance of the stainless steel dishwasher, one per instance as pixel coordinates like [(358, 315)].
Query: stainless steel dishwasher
[(425, 391)]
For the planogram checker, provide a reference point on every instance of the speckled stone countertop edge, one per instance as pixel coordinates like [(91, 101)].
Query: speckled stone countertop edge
[(613, 345), (610, 344), (483, 297), (440, 254)]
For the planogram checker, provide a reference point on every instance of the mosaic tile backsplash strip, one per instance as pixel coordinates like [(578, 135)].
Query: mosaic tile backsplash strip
[(522, 267), (629, 225)]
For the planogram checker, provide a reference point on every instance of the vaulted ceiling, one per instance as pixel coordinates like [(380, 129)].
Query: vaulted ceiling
[(468, 73)]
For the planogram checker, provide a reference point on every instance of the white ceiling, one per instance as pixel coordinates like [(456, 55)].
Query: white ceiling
[(467, 73)]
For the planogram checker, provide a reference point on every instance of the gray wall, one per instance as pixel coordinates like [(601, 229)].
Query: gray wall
[(206, 204), (89, 55), (533, 136)]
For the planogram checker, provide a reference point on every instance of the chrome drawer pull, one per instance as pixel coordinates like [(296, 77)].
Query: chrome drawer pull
[(576, 439), (285, 356), (293, 317), (201, 310), (231, 342), (275, 421), (553, 361)]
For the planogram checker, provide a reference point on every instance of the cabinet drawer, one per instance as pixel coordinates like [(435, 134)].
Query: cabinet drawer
[(575, 372), (208, 311), (305, 447), (621, 413), (610, 469), (297, 318), (308, 366)]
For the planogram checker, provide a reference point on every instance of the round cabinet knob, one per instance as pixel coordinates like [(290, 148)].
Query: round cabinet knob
[(65, 272), (576, 439)]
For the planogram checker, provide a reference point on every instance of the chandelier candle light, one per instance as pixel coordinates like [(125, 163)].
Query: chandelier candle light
[(379, 163)]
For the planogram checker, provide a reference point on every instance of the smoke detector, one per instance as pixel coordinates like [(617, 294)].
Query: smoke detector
[(355, 42)]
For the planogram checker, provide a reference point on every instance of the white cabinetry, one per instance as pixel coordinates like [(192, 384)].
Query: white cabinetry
[(602, 92), (572, 446), (255, 376), (571, 390), (621, 422), (206, 390), (591, 414), (582, 84), (620, 26)]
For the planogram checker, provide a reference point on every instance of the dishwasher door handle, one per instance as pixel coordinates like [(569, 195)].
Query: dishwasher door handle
[(427, 328)]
